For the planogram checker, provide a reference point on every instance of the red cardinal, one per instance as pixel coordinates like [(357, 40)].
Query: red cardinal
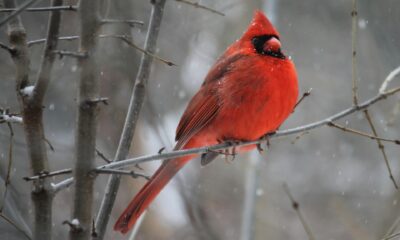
[(249, 92)]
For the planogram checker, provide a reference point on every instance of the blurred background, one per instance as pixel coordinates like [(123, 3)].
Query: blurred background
[(339, 179)]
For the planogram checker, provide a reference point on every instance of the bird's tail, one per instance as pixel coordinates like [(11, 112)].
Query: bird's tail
[(149, 192)]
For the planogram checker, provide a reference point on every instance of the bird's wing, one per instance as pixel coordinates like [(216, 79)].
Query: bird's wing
[(201, 110), (205, 104)]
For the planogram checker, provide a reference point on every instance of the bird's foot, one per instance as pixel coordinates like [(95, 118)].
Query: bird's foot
[(266, 139), (231, 151)]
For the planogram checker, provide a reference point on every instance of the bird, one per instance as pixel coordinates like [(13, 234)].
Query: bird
[(249, 92)]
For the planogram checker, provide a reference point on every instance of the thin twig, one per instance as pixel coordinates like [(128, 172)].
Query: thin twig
[(354, 51), (17, 11), (131, 23), (42, 40), (102, 156), (6, 117), (46, 66), (15, 225), (9, 166), (123, 38), (146, 52), (388, 79), (391, 236), (74, 225), (198, 5), (298, 137), (135, 105), (122, 172), (93, 231), (394, 114), (43, 9), (381, 147), (391, 75), (63, 53), (8, 48), (296, 207), (62, 185), (49, 174), (49, 144), (7, 182), (97, 100), (345, 129), (392, 227), (305, 94)]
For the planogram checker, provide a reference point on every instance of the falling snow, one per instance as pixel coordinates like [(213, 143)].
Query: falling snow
[(362, 23)]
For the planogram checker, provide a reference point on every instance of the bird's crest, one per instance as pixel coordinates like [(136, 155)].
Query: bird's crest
[(260, 25)]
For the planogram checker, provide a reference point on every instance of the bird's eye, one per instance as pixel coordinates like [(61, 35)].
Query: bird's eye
[(268, 45)]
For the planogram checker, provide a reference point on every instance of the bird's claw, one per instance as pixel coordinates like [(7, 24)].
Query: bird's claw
[(266, 139), (230, 151), (259, 148)]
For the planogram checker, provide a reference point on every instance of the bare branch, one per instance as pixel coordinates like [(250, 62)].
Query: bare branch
[(391, 75), (74, 225), (249, 203), (49, 174), (146, 52), (62, 185), (357, 132), (135, 105), (296, 207), (198, 5), (15, 225), (298, 137), (103, 100), (43, 78), (43, 9), (86, 122), (392, 228), (122, 172), (388, 79), (93, 233), (381, 147), (222, 146), (7, 182), (281, 133), (32, 114), (131, 23), (10, 161), (394, 235), (17, 11), (394, 114), (40, 41), (353, 47), (123, 38), (62, 53), (8, 48), (6, 117), (306, 94), (49, 144), (68, 182), (391, 91), (17, 38), (102, 156)]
